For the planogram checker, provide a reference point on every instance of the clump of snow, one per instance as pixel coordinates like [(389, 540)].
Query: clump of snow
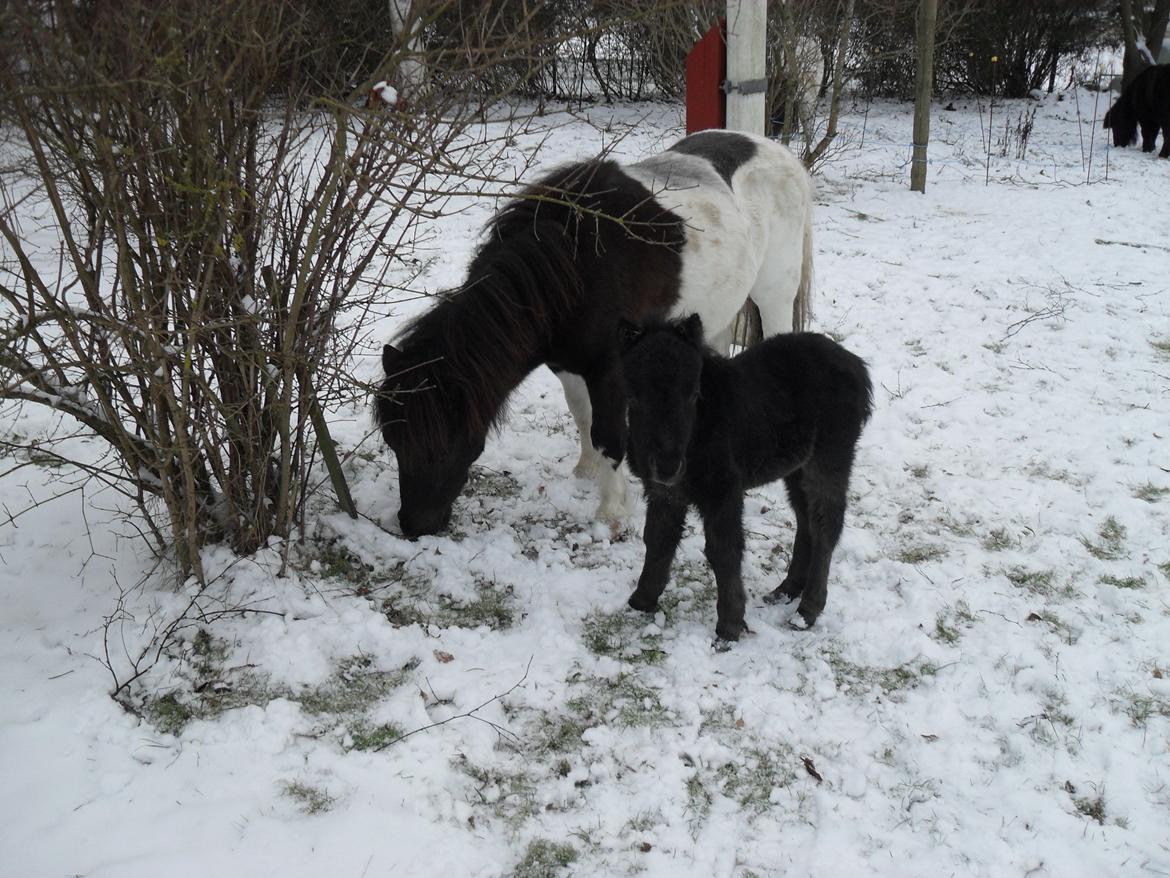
[(383, 92)]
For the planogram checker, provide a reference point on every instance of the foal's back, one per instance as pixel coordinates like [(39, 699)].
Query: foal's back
[(780, 401)]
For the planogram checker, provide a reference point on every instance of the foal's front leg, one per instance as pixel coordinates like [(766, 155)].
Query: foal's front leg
[(723, 530), (665, 517)]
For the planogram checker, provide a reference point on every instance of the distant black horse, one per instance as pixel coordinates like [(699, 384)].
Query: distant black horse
[(695, 229), (1146, 102), (704, 428)]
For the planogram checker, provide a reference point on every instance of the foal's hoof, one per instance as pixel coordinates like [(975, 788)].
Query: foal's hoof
[(802, 620), (786, 592), (730, 631), (643, 603)]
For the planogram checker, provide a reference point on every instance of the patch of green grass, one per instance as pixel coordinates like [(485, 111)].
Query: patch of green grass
[(999, 540), (167, 713), (1140, 706), (1132, 582), (948, 625), (1149, 492), (1161, 346), (1035, 581), (560, 734), (1092, 807), (1110, 543), (1044, 470), (544, 859), (1054, 708), (310, 799), (944, 631), (623, 701), (698, 804), (347, 695), (1165, 568), (491, 608), (751, 778), (337, 562), (644, 821), (354, 688), (850, 676), (921, 553), (414, 604), (510, 795), (692, 586), (620, 635), (373, 737), (1066, 632), (483, 482)]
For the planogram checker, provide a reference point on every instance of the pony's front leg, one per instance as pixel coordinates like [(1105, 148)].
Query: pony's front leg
[(665, 516), (608, 432), (723, 530), (577, 396)]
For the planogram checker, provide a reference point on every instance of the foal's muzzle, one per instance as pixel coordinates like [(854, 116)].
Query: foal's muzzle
[(667, 472)]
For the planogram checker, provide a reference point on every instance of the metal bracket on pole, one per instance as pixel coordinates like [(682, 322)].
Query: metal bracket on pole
[(748, 87)]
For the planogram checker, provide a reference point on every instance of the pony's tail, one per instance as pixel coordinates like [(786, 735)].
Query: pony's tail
[(802, 304), (748, 328)]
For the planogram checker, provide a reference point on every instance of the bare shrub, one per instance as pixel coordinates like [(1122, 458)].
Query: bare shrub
[(193, 232)]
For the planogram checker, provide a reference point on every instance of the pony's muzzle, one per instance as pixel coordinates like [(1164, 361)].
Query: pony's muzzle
[(415, 526)]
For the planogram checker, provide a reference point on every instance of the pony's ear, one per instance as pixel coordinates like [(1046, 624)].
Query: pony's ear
[(691, 329), (390, 357), (628, 333)]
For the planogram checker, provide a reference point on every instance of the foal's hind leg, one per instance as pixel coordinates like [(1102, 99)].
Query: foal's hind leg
[(792, 586), (577, 396)]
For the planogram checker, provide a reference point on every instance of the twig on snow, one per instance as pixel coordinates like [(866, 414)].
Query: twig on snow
[(470, 714)]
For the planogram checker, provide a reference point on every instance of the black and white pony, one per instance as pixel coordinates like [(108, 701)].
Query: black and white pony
[(1145, 102), (705, 428), (695, 229)]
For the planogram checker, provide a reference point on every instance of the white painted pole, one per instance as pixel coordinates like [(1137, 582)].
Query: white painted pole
[(747, 27)]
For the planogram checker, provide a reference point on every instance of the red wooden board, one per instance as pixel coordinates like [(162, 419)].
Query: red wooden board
[(706, 70)]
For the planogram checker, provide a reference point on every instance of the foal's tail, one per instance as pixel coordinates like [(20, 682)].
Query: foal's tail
[(802, 304)]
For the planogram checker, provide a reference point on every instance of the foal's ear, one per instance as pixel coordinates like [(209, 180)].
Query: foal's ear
[(691, 329), (390, 357), (628, 333)]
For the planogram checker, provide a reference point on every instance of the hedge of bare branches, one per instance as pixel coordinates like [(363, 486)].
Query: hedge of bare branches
[(192, 228)]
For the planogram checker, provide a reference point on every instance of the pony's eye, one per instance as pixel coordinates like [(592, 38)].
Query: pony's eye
[(695, 397)]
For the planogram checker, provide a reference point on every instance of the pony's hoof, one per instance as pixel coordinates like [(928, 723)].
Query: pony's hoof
[(613, 512), (585, 469), (643, 603)]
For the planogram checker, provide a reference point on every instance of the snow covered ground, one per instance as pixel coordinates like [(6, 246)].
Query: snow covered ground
[(986, 693)]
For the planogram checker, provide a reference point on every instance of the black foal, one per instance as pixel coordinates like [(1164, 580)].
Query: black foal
[(704, 428)]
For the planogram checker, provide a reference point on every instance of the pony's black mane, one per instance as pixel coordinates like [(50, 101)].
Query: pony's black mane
[(462, 358)]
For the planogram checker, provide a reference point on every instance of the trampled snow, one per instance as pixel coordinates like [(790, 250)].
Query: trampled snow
[(985, 694)]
